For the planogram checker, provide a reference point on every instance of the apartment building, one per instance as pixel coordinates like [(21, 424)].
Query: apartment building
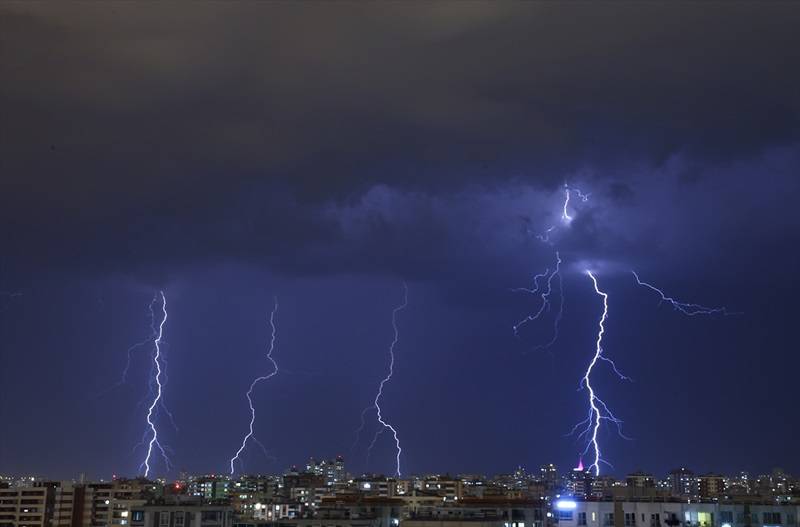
[(25, 507), (181, 513), (66, 504), (673, 513)]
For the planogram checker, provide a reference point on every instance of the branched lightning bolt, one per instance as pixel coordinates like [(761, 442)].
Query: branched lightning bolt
[(376, 403), (584, 197), (685, 308), (361, 426), (535, 289), (559, 316), (544, 294), (378, 433), (154, 442), (545, 236), (598, 410), (123, 379), (162, 404), (250, 434)]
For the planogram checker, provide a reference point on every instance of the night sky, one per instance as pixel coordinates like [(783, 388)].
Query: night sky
[(326, 153)]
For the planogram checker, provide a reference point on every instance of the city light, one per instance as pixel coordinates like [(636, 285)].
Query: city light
[(566, 505)]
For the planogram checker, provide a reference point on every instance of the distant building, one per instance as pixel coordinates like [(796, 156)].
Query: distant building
[(641, 480), (470, 512), (580, 481), (548, 475), (672, 513), (445, 487), (710, 486), (332, 471), (211, 488), (181, 513), (67, 504), (682, 482), (29, 506)]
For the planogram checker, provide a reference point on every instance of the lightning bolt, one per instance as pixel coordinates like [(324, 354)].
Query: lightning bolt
[(385, 425), (565, 216), (684, 307), (559, 315), (361, 427), (583, 197), (545, 294), (545, 236), (598, 410), (250, 434), (123, 379), (153, 431)]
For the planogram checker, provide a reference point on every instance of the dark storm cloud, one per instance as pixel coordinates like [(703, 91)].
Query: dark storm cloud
[(134, 135)]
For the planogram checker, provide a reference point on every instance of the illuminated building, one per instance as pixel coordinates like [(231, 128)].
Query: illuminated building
[(67, 504), (332, 471), (211, 488), (682, 482), (640, 480), (580, 481), (672, 513), (710, 486), (548, 475), (29, 506)]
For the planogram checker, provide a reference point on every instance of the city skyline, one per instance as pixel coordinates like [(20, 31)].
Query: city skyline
[(679, 481), (337, 465), (324, 491)]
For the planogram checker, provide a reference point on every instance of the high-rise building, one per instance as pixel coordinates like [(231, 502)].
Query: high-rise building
[(181, 513), (26, 506), (682, 482), (640, 480), (549, 476), (210, 488), (331, 470), (710, 486), (67, 504)]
